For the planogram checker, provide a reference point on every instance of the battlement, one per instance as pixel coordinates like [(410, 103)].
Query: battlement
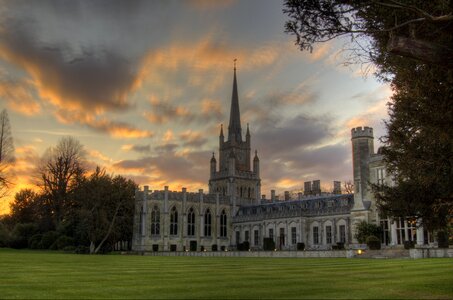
[(149, 194), (359, 132)]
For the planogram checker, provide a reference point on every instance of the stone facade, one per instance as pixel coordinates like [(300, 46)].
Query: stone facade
[(234, 212)]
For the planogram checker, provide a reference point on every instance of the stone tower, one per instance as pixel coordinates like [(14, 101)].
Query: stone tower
[(362, 149), (235, 178)]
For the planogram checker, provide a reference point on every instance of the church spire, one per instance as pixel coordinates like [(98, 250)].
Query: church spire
[(234, 129)]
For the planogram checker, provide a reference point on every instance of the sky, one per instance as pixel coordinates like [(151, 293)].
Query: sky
[(144, 86)]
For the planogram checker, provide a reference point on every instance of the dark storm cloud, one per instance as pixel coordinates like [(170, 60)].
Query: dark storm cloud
[(298, 132), (164, 112), (94, 79), (294, 151), (270, 108)]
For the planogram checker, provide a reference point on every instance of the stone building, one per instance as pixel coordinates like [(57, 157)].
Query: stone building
[(233, 211)]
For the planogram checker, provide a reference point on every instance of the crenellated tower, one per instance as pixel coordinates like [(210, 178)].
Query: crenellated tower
[(235, 177), (362, 148)]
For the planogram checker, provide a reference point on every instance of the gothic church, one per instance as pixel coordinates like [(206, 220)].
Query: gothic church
[(234, 211)]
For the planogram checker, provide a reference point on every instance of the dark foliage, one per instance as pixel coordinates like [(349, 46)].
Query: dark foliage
[(300, 246), (76, 213), (442, 239), (364, 230), (268, 244), (373, 242), (409, 245)]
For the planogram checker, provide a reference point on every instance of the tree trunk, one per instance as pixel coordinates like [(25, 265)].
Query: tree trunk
[(110, 228), (422, 50)]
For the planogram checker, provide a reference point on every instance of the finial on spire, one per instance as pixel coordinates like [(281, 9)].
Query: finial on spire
[(221, 129), (234, 61), (256, 159)]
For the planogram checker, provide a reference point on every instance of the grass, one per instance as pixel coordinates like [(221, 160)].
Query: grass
[(46, 275)]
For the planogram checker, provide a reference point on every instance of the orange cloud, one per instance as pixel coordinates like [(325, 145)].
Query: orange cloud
[(19, 97), (168, 136), (209, 107), (115, 129), (204, 56)]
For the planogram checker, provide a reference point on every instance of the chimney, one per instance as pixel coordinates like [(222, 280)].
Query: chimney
[(337, 187), (307, 188), (286, 195), (316, 187)]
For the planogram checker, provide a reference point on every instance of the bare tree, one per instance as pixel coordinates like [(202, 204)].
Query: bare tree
[(60, 171), (348, 187), (6, 152)]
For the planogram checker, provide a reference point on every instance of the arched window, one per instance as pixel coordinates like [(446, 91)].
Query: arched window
[(141, 221), (223, 224), (173, 221), (207, 223), (155, 221), (191, 222)]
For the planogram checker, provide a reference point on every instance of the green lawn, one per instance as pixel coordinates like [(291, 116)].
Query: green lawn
[(33, 274)]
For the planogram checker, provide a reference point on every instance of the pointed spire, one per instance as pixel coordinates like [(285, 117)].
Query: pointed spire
[(234, 128), (213, 158), (256, 156), (221, 130), (248, 130)]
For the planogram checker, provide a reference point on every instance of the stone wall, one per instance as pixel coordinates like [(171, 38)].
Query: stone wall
[(299, 254), (431, 252)]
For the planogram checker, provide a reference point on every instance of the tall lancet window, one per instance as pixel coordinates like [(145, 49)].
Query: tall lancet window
[(223, 224), (207, 223), (191, 222), (155, 221), (174, 221)]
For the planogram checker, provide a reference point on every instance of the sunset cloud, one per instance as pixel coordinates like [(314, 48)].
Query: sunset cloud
[(102, 124), (94, 79), (18, 94)]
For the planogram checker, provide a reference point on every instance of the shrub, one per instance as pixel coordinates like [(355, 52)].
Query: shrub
[(22, 233), (364, 230), (214, 247), (408, 244), (62, 242), (373, 242), (48, 239), (201, 248), (35, 242), (268, 244), (81, 249), (300, 246), (4, 236), (245, 246), (340, 246), (70, 249), (222, 248), (442, 239)]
